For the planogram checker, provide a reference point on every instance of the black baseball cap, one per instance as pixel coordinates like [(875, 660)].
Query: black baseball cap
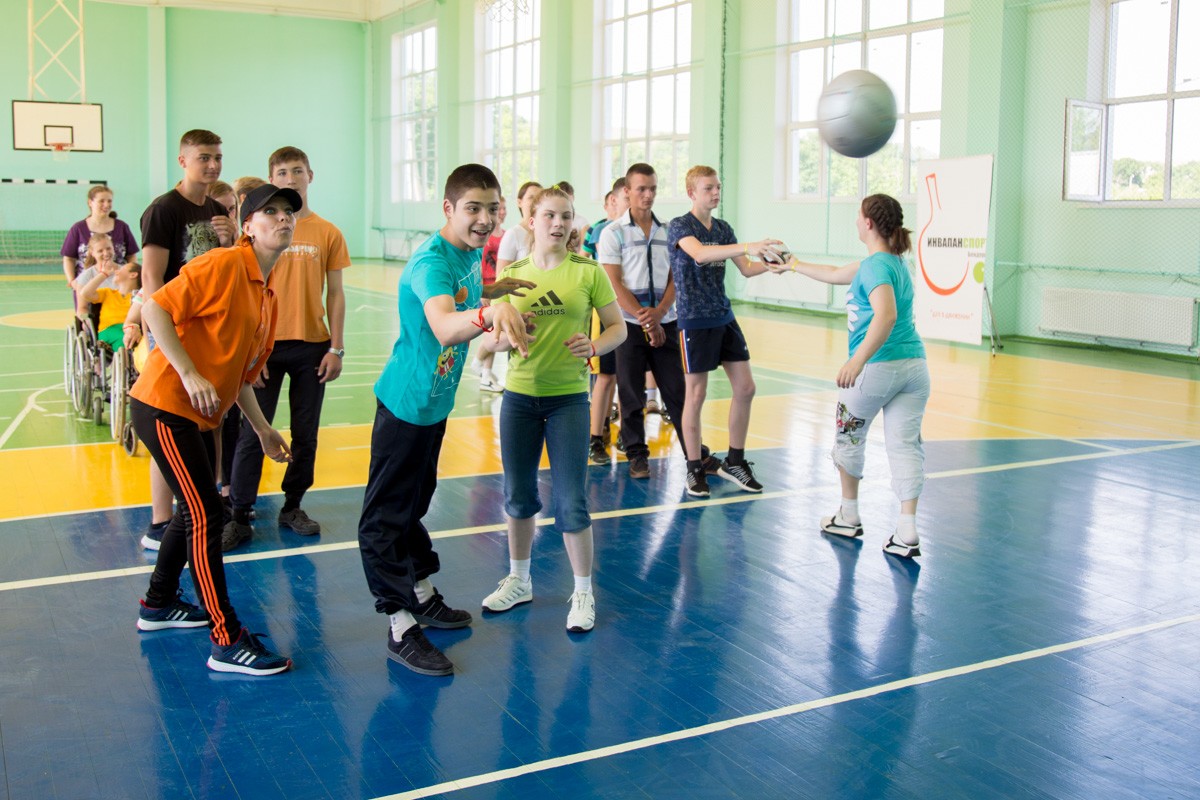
[(259, 197)]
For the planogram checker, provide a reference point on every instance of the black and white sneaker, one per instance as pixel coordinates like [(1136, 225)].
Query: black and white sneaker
[(247, 656), (417, 653), (179, 613), (839, 527), (697, 482), (436, 614), (598, 452), (896, 547), (741, 474)]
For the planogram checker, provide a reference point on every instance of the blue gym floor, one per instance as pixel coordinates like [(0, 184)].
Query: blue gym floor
[(1045, 646)]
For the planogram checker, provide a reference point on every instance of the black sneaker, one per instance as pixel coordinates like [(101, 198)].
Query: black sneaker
[(226, 510), (417, 653), (235, 534), (697, 482), (598, 453), (741, 474), (152, 539), (639, 467), (711, 464), (299, 522), (436, 614), (247, 656), (620, 445), (179, 613)]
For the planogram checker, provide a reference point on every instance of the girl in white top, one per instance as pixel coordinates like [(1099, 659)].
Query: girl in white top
[(515, 244)]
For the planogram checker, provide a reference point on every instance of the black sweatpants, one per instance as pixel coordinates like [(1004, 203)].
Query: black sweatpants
[(185, 455), (634, 357), (298, 360), (394, 543)]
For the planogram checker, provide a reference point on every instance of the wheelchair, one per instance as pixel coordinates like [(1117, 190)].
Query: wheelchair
[(88, 371)]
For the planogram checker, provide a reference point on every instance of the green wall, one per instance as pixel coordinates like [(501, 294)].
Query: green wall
[(259, 81)]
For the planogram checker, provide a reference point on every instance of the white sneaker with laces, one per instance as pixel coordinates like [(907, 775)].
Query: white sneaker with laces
[(839, 527), (511, 591), (490, 384), (582, 616)]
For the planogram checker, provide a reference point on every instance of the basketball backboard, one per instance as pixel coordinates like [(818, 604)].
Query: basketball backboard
[(39, 125)]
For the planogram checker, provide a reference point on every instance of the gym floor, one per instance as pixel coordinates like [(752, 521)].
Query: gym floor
[(1046, 644)]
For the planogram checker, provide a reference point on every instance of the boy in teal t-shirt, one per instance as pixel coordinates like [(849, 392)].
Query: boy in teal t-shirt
[(440, 290)]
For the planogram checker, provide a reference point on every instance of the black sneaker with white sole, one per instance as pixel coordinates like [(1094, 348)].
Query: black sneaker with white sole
[(837, 526), (436, 614), (417, 653), (697, 482), (741, 474)]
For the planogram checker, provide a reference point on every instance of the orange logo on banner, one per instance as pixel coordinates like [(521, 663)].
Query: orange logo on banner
[(931, 186)]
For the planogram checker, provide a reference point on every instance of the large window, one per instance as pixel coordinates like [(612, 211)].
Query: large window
[(645, 90), (898, 40), (1148, 142), (414, 115), (511, 76)]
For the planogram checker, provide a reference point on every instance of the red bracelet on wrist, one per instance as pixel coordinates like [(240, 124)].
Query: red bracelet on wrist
[(593, 355), (480, 324)]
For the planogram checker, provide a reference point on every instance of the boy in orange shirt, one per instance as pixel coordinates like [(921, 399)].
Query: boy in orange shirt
[(306, 351)]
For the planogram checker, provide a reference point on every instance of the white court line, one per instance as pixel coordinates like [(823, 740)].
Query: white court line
[(786, 711), (80, 577), (1081, 442), (30, 405)]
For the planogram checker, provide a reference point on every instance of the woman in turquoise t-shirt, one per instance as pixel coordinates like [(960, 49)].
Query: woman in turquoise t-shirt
[(546, 403), (886, 371)]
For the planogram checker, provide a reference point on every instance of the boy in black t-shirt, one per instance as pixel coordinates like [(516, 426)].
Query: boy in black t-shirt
[(699, 244), (176, 227)]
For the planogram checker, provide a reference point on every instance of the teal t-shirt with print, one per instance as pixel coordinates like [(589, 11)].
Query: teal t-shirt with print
[(875, 270), (419, 380), (562, 306)]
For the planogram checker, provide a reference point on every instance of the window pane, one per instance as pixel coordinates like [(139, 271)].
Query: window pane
[(843, 175), (885, 169), (683, 103), (430, 92), (683, 158), (1084, 152), (925, 86), (885, 13), (662, 105), (1185, 150), (430, 48), (1138, 132), (847, 17), (525, 76), (635, 151), (683, 35), (805, 147), (807, 82), (524, 26), (504, 32), (1187, 62), (636, 6), (614, 111), (614, 52), (662, 158), (636, 44), (662, 39), (843, 57), (924, 142), (527, 120), (1139, 47), (808, 20), (635, 104), (927, 9), (612, 164), (506, 82), (887, 59)]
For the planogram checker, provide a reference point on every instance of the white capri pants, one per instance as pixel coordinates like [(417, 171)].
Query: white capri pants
[(900, 389)]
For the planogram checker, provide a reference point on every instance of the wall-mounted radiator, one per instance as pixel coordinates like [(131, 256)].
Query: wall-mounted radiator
[(1120, 315)]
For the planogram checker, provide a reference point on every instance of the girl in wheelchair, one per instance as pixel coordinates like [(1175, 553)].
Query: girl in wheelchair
[(115, 299)]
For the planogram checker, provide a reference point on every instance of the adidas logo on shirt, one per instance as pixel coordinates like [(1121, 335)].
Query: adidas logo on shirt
[(548, 305)]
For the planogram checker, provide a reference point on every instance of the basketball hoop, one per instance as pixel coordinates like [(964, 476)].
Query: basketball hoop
[(61, 151), (503, 10)]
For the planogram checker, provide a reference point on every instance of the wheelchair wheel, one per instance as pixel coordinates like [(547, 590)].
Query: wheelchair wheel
[(69, 363), (103, 378), (119, 388), (129, 439), (98, 409), (82, 383)]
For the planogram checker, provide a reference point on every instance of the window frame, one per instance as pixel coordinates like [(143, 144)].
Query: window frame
[(793, 122), (506, 161), (427, 114)]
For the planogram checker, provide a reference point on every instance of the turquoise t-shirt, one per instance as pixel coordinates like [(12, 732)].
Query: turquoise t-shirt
[(562, 304), (875, 270), (419, 380)]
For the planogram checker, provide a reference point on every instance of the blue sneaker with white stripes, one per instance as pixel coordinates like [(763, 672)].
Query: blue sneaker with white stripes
[(248, 656), (179, 613)]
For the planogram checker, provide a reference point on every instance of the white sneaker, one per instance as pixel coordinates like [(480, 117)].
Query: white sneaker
[(511, 591), (839, 527), (490, 384), (895, 546), (475, 367), (582, 615)]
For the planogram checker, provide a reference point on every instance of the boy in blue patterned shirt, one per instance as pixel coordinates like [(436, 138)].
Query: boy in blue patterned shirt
[(699, 245)]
